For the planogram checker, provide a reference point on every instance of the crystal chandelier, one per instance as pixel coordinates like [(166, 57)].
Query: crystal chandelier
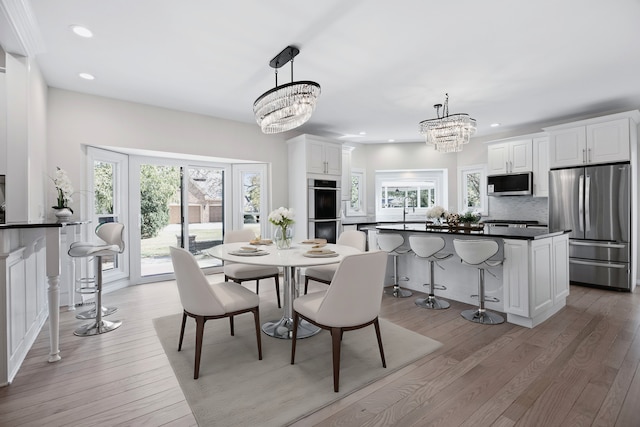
[(449, 132), (287, 106)]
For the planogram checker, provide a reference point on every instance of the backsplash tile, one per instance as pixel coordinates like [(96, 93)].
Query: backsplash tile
[(519, 207)]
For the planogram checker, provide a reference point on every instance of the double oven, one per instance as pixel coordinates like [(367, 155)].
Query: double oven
[(323, 207)]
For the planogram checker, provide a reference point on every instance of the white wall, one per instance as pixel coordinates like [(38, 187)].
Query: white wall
[(76, 120)]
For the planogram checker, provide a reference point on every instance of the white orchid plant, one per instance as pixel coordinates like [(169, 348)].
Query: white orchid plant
[(64, 189)]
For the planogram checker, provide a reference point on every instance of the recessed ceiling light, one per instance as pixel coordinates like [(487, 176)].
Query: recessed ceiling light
[(81, 31), (392, 140), (363, 133), (86, 76), (495, 125)]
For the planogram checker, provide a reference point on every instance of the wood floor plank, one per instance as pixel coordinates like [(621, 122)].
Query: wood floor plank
[(581, 367)]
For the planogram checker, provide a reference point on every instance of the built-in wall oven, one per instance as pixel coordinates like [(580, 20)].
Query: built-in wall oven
[(324, 209)]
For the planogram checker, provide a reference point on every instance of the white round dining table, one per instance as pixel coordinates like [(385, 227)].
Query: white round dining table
[(291, 260)]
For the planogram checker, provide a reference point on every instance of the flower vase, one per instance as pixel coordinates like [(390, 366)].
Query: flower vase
[(283, 237), (63, 214)]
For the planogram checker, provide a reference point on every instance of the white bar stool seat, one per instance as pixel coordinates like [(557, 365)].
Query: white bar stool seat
[(112, 235), (429, 247), (476, 253), (391, 243)]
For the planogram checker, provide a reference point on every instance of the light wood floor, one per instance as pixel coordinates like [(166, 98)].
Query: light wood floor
[(580, 368)]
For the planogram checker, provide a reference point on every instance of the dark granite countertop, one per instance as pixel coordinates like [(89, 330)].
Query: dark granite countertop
[(501, 232), (40, 224)]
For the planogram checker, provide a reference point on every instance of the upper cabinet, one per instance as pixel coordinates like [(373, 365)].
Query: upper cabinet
[(510, 157), (323, 157), (601, 140), (541, 166)]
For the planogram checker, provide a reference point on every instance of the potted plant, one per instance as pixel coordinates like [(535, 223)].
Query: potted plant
[(469, 218)]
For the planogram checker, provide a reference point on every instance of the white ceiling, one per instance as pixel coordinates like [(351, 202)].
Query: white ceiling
[(381, 64)]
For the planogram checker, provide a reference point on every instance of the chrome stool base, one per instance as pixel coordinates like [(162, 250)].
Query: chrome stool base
[(482, 316), (397, 292), (91, 314), (97, 328), (432, 303)]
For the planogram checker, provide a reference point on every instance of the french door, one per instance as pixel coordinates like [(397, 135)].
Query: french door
[(173, 202), (177, 204)]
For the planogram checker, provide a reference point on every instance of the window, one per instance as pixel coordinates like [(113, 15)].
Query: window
[(473, 189), (407, 193), (356, 205)]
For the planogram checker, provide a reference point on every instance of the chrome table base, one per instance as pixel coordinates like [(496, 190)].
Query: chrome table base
[(283, 329)]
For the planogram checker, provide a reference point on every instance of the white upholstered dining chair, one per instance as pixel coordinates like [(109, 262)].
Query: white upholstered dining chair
[(352, 301), (204, 301), (324, 273), (238, 272)]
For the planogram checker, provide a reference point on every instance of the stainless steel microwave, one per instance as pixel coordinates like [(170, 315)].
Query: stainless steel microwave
[(511, 184)]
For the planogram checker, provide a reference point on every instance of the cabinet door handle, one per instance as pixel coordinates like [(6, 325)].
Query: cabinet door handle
[(589, 155), (584, 156)]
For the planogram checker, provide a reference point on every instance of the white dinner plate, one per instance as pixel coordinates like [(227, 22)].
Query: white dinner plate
[(248, 253), (310, 255)]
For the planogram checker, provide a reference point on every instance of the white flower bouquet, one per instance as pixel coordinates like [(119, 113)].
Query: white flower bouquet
[(436, 212), (282, 218), (64, 189)]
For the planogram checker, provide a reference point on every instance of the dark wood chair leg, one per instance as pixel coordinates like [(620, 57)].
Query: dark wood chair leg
[(226, 278), (336, 334), (231, 325), (296, 319), (257, 286), (199, 335), (256, 317), (184, 323), (377, 326), (306, 284), (277, 279)]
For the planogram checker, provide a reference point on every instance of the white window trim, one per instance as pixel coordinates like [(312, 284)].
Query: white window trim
[(462, 171), (440, 176), (362, 192)]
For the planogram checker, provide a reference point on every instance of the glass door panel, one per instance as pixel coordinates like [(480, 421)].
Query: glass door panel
[(251, 200), (160, 217), (205, 213)]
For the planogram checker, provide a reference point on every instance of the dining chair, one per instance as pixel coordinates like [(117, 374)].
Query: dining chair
[(324, 273), (352, 301), (238, 272), (204, 301)]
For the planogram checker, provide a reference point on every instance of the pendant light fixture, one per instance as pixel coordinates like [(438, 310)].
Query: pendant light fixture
[(287, 106), (448, 133)]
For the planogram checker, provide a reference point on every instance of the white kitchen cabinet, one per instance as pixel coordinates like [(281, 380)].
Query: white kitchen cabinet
[(541, 166), (310, 157), (323, 157), (510, 157), (346, 173), (592, 142), (536, 278)]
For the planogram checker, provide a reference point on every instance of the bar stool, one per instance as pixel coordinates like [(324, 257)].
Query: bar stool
[(476, 253), (390, 243), (428, 247), (112, 234)]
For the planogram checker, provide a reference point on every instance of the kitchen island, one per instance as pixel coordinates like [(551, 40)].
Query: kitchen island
[(530, 286), (30, 272)]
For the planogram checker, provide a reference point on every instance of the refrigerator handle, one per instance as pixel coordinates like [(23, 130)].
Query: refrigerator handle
[(581, 202), (587, 215)]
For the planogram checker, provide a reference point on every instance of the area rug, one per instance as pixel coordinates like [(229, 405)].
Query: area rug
[(237, 389)]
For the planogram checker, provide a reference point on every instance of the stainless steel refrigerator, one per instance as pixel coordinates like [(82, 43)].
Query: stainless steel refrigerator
[(595, 203)]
